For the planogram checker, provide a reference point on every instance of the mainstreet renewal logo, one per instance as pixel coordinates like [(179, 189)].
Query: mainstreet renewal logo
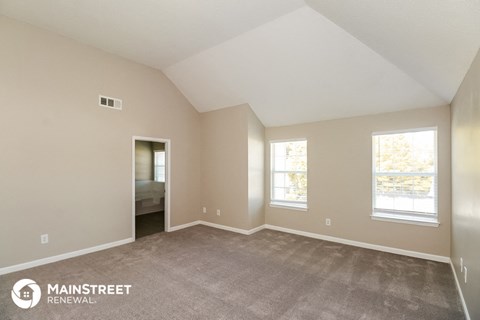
[(26, 293), (68, 294)]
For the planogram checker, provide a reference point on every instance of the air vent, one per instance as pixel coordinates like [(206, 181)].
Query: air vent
[(108, 102)]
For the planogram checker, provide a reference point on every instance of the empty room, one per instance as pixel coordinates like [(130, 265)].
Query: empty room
[(255, 159)]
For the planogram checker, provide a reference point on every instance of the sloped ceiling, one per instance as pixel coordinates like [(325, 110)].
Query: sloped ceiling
[(292, 61), (157, 33), (299, 68), (434, 41)]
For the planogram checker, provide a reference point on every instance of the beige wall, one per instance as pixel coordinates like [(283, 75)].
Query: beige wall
[(466, 185), (224, 166), (143, 160), (76, 157), (232, 167), (256, 170), (340, 181), (49, 87)]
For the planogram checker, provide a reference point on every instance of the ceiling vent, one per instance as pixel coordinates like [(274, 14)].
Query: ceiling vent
[(108, 102)]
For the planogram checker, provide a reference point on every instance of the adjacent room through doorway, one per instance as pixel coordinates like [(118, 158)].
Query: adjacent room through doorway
[(150, 178)]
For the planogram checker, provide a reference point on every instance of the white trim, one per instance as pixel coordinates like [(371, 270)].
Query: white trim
[(68, 255), (408, 253), (183, 226), (168, 166), (286, 206), (223, 227), (379, 133), (254, 230), (287, 140), (217, 226), (232, 229), (434, 175), (273, 171), (40, 262), (459, 289), (405, 219)]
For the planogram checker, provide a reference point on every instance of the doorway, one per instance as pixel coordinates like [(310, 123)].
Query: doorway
[(150, 185)]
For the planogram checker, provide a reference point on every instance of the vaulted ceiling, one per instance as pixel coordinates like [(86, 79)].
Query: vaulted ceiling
[(293, 61)]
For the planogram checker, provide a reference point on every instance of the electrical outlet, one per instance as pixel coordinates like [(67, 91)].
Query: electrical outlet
[(461, 264), (44, 239), (465, 268), (328, 222), (218, 212), (204, 210)]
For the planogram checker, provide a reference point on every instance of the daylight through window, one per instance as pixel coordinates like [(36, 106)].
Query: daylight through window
[(160, 166), (289, 173), (405, 174)]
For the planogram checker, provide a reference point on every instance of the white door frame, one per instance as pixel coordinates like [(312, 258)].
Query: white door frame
[(167, 143)]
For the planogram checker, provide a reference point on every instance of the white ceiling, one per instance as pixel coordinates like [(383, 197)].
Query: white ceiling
[(434, 41), (157, 33), (292, 61), (299, 68)]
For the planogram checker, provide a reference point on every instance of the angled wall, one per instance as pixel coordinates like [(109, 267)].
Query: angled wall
[(466, 186), (256, 170), (232, 167)]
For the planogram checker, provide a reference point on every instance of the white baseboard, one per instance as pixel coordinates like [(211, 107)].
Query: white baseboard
[(218, 226), (409, 253), (39, 262), (365, 245), (43, 261), (459, 289), (252, 231), (64, 256), (183, 226), (232, 229)]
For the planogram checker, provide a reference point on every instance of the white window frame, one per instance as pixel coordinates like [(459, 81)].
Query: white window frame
[(155, 166), (286, 204), (403, 216)]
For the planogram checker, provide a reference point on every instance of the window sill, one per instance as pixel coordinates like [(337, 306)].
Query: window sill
[(288, 206), (420, 221)]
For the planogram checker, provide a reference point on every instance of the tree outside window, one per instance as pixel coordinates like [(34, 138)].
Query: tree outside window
[(289, 173)]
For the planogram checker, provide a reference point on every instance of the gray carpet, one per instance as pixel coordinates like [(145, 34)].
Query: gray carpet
[(205, 273)]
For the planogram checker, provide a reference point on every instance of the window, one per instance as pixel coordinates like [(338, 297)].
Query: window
[(405, 175), (289, 174), (160, 166)]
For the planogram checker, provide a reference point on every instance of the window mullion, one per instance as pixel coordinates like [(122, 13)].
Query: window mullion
[(405, 193), (292, 189)]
